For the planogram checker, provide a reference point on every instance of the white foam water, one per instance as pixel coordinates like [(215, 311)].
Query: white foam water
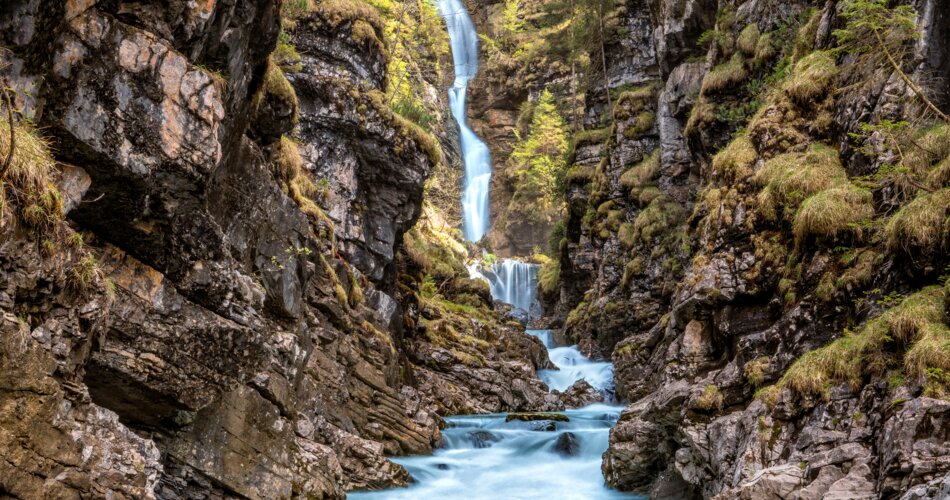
[(484, 457)]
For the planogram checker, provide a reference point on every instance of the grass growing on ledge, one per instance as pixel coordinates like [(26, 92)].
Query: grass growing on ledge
[(336, 12), (431, 245), (789, 178), (812, 78), (27, 190), (748, 40), (411, 131), (592, 136), (711, 398), (919, 228), (734, 163), (833, 213), (277, 87), (726, 75), (919, 322), (549, 275)]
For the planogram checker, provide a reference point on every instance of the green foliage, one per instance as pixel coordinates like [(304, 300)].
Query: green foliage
[(539, 164), (880, 35), (416, 37), (512, 23), (874, 24)]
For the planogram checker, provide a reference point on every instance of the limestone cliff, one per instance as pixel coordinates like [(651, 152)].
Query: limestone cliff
[(218, 314)]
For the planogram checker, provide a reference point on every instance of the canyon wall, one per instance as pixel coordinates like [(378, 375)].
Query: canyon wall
[(227, 310), (732, 243)]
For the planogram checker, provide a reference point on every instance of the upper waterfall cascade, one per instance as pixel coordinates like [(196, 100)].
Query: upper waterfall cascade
[(475, 155)]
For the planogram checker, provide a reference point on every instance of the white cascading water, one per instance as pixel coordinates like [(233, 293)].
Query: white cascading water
[(484, 457), (475, 155), (512, 282)]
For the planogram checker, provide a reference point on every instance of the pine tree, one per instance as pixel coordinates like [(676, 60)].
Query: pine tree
[(541, 160)]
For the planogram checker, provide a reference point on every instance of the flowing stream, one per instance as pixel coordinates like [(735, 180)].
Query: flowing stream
[(464, 41), (489, 457), (486, 457)]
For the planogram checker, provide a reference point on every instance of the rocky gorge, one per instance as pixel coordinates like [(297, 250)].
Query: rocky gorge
[(233, 259)]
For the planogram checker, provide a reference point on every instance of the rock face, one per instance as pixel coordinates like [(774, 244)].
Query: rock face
[(671, 267), (233, 345)]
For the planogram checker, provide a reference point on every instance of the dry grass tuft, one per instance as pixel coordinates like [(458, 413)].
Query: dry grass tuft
[(812, 78), (734, 164), (789, 178), (725, 76), (27, 190), (748, 40), (710, 398), (833, 213), (920, 227)]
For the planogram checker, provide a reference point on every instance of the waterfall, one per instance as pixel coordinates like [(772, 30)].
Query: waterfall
[(512, 282), (493, 456), (475, 156)]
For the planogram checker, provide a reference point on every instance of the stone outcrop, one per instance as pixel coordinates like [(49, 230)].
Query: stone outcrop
[(231, 344)]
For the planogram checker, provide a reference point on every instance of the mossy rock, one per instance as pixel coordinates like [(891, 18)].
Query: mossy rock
[(535, 417)]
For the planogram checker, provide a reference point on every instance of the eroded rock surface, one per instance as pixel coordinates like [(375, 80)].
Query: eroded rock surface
[(232, 345)]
